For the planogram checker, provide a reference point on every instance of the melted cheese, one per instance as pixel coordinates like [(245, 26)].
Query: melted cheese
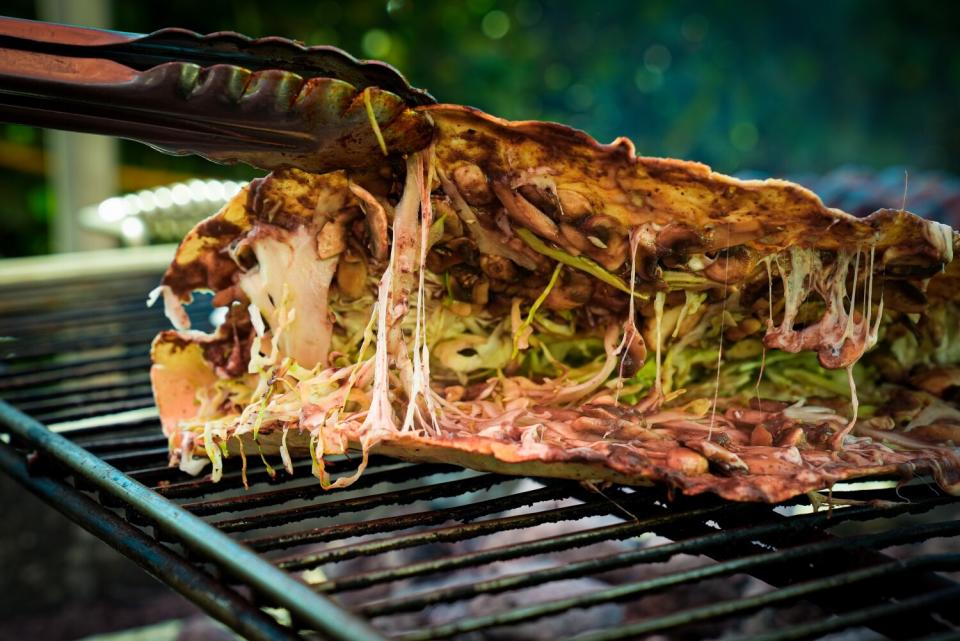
[(392, 305), (421, 352), (630, 332), (838, 337), (288, 265), (658, 326)]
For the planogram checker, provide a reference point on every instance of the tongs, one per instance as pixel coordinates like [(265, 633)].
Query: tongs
[(269, 102)]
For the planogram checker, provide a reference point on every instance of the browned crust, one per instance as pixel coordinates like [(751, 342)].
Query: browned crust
[(621, 467), (414, 449), (638, 189)]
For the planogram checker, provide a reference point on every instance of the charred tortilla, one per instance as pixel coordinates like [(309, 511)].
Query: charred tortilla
[(522, 299)]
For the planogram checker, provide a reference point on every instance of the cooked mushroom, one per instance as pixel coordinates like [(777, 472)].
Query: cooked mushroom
[(351, 275), (635, 357), (523, 212), (332, 239), (573, 239), (498, 267), (608, 241), (678, 240), (443, 256), (904, 296), (574, 204), (469, 284), (543, 200), (376, 221), (686, 462), (571, 290), (731, 265), (473, 184), (746, 327), (452, 225)]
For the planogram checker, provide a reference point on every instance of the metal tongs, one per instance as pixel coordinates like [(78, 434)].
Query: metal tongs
[(269, 102)]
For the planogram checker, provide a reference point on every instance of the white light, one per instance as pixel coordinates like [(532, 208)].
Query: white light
[(198, 191), (132, 229), (230, 188), (181, 194), (133, 204), (215, 191), (112, 209), (164, 197), (147, 200)]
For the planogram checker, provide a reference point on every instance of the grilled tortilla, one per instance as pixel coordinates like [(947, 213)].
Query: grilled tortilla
[(521, 299)]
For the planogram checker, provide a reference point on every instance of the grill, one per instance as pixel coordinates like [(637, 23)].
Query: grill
[(430, 551)]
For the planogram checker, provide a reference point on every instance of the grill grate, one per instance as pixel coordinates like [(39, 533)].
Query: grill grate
[(430, 551)]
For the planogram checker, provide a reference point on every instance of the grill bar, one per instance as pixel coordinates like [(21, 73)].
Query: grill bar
[(231, 479), (56, 392), (118, 444), (80, 398), (201, 588), (53, 373), (442, 535), (360, 503), (504, 553), (86, 319), (405, 521), (13, 352), (95, 410), (276, 497), (697, 545), (686, 617), (867, 616), (305, 605)]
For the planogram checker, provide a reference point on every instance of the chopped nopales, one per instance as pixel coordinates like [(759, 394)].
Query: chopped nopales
[(510, 331)]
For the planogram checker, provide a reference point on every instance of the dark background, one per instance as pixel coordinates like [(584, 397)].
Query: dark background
[(789, 87)]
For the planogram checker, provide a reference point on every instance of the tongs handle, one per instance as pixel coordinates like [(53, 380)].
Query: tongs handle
[(269, 102)]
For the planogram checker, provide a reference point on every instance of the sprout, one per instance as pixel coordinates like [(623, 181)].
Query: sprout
[(373, 121), (577, 262), (525, 325)]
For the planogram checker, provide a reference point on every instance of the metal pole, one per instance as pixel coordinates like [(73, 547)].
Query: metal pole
[(216, 599), (307, 607)]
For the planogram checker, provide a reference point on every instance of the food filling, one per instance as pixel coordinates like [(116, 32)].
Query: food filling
[(490, 302)]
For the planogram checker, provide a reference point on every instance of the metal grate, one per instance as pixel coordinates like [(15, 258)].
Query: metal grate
[(430, 551)]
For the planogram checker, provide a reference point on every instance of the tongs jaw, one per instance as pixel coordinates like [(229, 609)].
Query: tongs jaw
[(270, 103)]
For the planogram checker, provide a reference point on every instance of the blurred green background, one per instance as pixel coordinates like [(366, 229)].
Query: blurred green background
[(776, 87)]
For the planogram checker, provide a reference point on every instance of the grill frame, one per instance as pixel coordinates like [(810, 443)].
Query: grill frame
[(117, 487)]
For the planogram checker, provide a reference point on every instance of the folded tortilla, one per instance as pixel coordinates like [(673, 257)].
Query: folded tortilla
[(521, 299)]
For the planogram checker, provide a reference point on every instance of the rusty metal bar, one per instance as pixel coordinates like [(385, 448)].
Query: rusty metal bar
[(360, 503), (517, 550), (51, 373), (774, 597), (208, 593), (283, 495), (868, 616), (697, 545), (306, 606), (450, 534), (693, 615), (406, 521)]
